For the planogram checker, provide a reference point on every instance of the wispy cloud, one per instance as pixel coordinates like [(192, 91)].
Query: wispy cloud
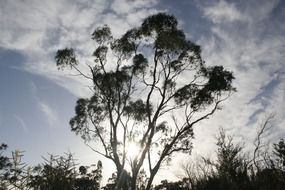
[(223, 11), (48, 26), (50, 114), (254, 50), (22, 123)]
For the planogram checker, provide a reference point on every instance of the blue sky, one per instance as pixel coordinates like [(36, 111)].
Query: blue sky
[(37, 100)]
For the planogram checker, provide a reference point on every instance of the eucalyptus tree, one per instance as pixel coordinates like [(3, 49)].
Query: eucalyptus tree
[(149, 88)]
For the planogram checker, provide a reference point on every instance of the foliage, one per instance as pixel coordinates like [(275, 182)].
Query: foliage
[(165, 185), (56, 173), (230, 163), (4, 161), (4, 167), (139, 91), (89, 180), (279, 151), (16, 173), (230, 170), (60, 173), (233, 171)]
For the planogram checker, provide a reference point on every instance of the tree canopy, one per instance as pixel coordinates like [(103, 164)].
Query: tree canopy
[(150, 87)]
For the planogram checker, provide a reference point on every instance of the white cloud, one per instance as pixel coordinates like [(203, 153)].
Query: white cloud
[(254, 50), (223, 11), (39, 29), (126, 7)]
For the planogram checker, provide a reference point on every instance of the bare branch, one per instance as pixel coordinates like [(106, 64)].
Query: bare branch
[(265, 126)]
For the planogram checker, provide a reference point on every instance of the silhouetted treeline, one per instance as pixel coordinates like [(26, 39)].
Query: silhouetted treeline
[(56, 173), (232, 170)]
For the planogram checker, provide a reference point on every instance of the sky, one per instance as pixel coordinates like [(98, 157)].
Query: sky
[(37, 101)]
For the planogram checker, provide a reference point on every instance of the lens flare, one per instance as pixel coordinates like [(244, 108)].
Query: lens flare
[(132, 150)]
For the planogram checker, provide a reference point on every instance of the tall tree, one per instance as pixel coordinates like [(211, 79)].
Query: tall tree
[(150, 87)]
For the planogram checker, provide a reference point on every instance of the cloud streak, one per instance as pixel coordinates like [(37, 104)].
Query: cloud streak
[(22, 123), (50, 114)]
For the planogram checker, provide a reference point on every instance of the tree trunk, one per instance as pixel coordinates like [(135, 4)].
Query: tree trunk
[(134, 182), (120, 178), (153, 172), (151, 177)]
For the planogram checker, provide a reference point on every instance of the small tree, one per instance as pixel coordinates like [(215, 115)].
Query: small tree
[(261, 158), (89, 180), (228, 171), (279, 152), (150, 87), (61, 173), (231, 164), (58, 172), (17, 173)]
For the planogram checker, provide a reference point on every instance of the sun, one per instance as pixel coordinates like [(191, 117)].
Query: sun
[(132, 150)]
